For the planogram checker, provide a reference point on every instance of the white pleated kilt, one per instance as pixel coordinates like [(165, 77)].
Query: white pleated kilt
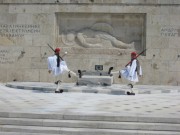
[(52, 65)]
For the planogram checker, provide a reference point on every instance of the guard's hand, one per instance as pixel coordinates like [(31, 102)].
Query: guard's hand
[(49, 71)]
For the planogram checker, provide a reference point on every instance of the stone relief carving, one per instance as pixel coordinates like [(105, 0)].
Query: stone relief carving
[(98, 36)]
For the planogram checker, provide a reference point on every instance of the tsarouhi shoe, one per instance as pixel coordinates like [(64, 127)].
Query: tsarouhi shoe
[(80, 73), (57, 91), (69, 74), (109, 72), (119, 75), (130, 93), (61, 91)]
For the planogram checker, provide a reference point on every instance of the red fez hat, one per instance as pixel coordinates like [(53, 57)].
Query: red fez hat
[(57, 50), (133, 53)]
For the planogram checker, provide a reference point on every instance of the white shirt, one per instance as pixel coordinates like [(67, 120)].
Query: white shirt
[(130, 72), (52, 65)]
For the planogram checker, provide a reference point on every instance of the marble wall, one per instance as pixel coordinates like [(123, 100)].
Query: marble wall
[(93, 32)]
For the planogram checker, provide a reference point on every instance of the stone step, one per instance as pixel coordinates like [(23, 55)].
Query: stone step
[(93, 117), (81, 131), (23, 133), (90, 124), (114, 89)]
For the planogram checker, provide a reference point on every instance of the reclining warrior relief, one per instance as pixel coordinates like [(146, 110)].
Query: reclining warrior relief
[(98, 36)]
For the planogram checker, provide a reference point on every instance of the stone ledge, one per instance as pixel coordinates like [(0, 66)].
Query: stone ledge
[(95, 80), (104, 2)]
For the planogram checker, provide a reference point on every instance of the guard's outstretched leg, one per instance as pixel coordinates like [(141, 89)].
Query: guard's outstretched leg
[(69, 75), (71, 72), (109, 72), (116, 72)]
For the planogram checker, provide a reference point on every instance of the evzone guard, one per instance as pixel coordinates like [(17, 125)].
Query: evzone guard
[(132, 71), (57, 66)]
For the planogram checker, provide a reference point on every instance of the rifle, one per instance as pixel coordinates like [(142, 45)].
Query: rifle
[(54, 51), (136, 57)]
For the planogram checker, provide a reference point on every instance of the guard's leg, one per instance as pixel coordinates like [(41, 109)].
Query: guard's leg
[(110, 69), (58, 83), (71, 73), (119, 74), (58, 86), (80, 73), (131, 85), (116, 72)]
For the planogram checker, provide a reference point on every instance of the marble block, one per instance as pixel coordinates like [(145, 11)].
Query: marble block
[(95, 80)]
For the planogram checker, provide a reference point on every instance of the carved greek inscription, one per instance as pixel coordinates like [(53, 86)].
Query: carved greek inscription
[(18, 30), (5, 57), (169, 32)]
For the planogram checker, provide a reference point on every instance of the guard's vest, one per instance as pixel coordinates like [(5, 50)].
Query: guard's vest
[(137, 66), (58, 60)]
